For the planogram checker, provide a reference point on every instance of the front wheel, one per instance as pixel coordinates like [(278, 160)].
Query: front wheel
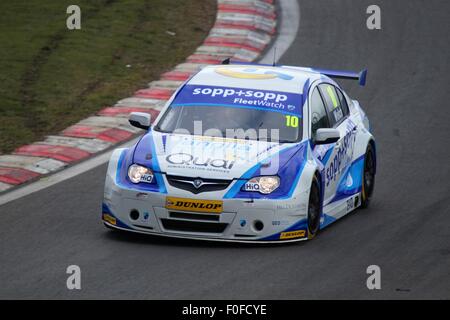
[(314, 209), (368, 182)]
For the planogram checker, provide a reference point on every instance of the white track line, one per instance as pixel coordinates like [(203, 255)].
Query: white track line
[(290, 21)]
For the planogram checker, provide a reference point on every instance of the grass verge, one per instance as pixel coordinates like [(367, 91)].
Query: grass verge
[(52, 77)]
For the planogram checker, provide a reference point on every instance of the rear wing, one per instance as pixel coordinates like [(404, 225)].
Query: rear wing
[(336, 74), (360, 76)]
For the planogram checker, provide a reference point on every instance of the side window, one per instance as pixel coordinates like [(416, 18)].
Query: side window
[(332, 102), (343, 102), (319, 116)]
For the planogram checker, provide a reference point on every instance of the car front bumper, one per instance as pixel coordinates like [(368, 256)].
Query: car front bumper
[(241, 220)]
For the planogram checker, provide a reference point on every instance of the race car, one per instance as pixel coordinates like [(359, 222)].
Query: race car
[(245, 153)]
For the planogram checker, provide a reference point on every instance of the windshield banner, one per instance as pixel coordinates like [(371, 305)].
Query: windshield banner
[(197, 95)]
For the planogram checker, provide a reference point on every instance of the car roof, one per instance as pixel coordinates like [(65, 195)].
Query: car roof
[(260, 77)]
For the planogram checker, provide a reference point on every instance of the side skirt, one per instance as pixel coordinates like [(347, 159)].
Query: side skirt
[(336, 210)]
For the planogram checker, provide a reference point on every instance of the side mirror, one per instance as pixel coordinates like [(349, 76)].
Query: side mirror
[(326, 136), (140, 120)]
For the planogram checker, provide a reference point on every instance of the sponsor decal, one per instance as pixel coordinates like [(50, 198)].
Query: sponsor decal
[(350, 204), (164, 142), (242, 223), (208, 143), (341, 159), (142, 195), (217, 139), (251, 186), (109, 218), (146, 178), (349, 181), (185, 159), (252, 73), (239, 97), (251, 94), (296, 205), (276, 223), (357, 201), (292, 234), (228, 149), (210, 206)]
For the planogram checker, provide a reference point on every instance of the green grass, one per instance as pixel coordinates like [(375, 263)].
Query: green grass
[(52, 77)]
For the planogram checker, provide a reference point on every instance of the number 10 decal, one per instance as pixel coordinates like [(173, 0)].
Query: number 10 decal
[(292, 121)]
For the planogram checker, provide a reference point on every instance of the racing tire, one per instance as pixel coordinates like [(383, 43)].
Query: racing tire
[(314, 209), (368, 177)]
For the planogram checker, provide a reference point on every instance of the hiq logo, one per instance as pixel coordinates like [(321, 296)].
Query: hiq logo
[(252, 73), (228, 92)]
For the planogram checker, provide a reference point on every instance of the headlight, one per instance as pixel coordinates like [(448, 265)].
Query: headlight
[(264, 185), (137, 174)]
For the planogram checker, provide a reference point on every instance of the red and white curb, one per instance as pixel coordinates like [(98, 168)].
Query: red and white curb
[(242, 31)]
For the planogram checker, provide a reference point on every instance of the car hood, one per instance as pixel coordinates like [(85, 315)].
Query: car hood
[(208, 157)]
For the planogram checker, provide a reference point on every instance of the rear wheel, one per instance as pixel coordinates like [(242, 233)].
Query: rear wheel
[(314, 209), (368, 183)]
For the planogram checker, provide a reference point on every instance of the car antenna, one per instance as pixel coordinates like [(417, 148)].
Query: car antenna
[(274, 55)]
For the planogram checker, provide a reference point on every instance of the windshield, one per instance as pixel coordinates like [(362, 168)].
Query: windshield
[(231, 122)]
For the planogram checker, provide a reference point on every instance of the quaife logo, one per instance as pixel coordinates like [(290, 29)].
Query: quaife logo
[(184, 159), (211, 206)]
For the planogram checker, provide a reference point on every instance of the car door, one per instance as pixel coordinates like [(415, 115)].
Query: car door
[(323, 152), (338, 157)]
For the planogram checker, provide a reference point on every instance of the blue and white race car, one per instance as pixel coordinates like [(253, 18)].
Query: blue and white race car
[(245, 153)]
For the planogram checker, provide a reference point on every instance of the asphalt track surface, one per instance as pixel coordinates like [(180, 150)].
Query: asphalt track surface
[(405, 231)]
